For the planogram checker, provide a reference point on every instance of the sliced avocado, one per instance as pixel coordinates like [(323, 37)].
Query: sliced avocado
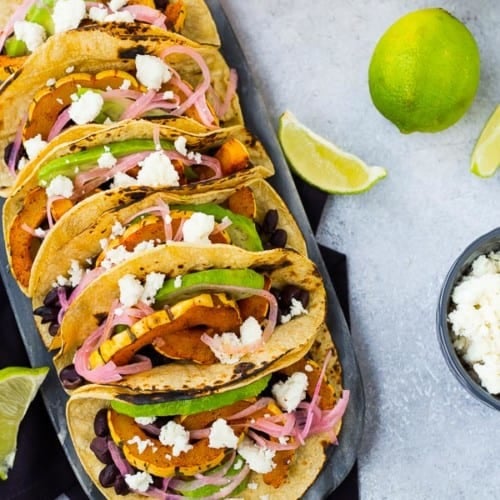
[(231, 277), (15, 47), (87, 159), (191, 406), (242, 230), (211, 489), (41, 16)]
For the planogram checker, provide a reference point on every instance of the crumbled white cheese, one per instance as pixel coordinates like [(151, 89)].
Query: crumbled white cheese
[(250, 331), (178, 281), (32, 34), (157, 170), (40, 233), (22, 163), (69, 69), (152, 72), (168, 94), (117, 229), (106, 160), (238, 464), (75, 273), (222, 435), (252, 486), (130, 290), (142, 444), (259, 459), (121, 179), (296, 309), (145, 420), (125, 84), (291, 392), (175, 435), (180, 145), (196, 157), (308, 368), (198, 228), (140, 481), (50, 82), (115, 5), (114, 256), (98, 14), (154, 281), (143, 245), (103, 242), (68, 14), (86, 108), (120, 17), (475, 321), (34, 145), (60, 185)]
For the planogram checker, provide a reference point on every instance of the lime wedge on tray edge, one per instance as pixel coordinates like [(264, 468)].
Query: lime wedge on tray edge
[(486, 155), (323, 164), (18, 387)]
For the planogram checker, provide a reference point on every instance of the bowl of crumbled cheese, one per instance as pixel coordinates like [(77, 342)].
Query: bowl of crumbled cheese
[(468, 318)]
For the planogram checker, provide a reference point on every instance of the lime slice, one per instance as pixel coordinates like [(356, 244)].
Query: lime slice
[(18, 387), (323, 164), (486, 155)]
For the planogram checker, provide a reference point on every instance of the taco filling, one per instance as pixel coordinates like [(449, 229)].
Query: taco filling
[(36, 20), (204, 317), (65, 181), (219, 446), (231, 222), (155, 90)]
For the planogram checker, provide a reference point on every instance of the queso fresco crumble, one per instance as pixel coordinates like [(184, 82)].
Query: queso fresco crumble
[(475, 320)]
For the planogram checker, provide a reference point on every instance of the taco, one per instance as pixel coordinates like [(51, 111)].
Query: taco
[(26, 25), (202, 318), (266, 439), (96, 76), (132, 154), (251, 216)]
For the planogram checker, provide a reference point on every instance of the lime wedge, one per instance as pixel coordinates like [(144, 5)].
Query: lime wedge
[(18, 387), (323, 164), (486, 155)]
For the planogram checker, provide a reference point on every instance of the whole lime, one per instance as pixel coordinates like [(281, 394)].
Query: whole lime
[(424, 71)]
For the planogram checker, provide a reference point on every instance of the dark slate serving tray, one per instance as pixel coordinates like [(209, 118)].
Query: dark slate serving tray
[(341, 458)]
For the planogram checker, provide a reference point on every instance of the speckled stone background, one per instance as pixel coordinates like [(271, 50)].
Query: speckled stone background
[(425, 437)]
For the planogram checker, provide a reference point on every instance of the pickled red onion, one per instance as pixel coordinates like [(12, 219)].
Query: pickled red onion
[(62, 120), (16, 147), (138, 108), (146, 14), (121, 463)]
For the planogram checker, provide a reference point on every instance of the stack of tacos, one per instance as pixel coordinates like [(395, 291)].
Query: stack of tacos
[(168, 278)]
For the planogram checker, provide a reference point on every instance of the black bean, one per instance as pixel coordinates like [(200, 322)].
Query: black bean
[(270, 222), (7, 151), (304, 298), (69, 378), (52, 298), (99, 445), (53, 329), (48, 314), (101, 427), (278, 238), (121, 487), (108, 475), (267, 245), (288, 293), (161, 4)]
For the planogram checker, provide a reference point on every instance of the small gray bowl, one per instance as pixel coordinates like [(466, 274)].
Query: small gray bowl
[(483, 245)]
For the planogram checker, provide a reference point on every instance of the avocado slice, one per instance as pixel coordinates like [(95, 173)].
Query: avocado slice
[(87, 159), (211, 489), (231, 277), (15, 47), (242, 230), (191, 406), (41, 16)]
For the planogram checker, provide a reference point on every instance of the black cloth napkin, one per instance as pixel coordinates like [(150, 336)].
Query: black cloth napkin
[(41, 470)]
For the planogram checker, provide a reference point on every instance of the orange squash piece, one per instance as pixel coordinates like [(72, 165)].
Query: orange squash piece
[(233, 156), (242, 202), (23, 245), (161, 461), (60, 206), (185, 344), (204, 310), (255, 305), (50, 101), (282, 459), (176, 15)]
